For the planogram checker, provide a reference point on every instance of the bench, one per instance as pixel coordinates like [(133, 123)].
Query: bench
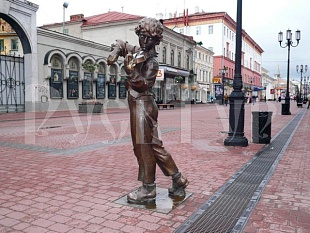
[(165, 106)]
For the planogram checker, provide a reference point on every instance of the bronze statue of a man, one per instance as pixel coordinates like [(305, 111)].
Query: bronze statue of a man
[(141, 67)]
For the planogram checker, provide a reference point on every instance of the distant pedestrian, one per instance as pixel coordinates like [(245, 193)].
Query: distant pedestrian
[(253, 99), (308, 96), (279, 98), (226, 99)]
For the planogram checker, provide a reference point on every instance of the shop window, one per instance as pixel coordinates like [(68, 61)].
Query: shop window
[(87, 86), (73, 80), (122, 88), (100, 86), (56, 81), (122, 85), (112, 87), (112, 83)]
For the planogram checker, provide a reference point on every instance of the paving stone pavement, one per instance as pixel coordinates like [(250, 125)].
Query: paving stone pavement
[(62, 171)]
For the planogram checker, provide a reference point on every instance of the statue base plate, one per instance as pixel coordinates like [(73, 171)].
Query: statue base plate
[(163, 204)]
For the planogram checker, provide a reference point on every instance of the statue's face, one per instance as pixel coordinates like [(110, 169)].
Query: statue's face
[(146, 41)]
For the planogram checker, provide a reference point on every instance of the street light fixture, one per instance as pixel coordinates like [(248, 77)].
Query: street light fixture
[(288, 44), (301, 96), (223, 72), (236, 99), (65, 5)]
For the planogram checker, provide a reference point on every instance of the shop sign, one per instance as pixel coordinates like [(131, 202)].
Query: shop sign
[(160, 75)]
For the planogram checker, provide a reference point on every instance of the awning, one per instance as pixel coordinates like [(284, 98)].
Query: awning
[(174, 71), (258, 88)]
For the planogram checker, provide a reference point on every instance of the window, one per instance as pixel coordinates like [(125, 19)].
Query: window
[(122, 92), (1, 45), (187, 62), (164, 55), (172, 57), (56, 81), (2, 28), (224, 30), (198, 30), (14, 44), (100, 85), (179, 59), (73, 80), (87, 86), (210, 29), (112, 83)]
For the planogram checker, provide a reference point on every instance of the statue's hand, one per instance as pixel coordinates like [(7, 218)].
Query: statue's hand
[(128, 63)]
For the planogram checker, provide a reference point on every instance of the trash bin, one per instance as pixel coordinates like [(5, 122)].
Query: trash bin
[(261, 127), (285, 109)]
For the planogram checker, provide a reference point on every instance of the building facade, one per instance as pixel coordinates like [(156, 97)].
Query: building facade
[(217, 32), (175, 52)]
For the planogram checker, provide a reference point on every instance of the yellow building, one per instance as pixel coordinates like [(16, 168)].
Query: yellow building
[(9, 41)]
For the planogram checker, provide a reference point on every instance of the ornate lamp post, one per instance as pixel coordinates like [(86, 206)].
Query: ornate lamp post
[(223, 72), (301, 70), (236, 99), (307, 86), (289, 44)]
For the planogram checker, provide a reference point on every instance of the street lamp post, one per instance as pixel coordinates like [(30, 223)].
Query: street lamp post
[(301, 93), (289, 44), (65, 5), (236, 99), (307, 86), (223, 72)]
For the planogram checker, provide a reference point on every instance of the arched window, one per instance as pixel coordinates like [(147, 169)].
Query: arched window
[(112, 83), (56, 82), (187, 62), (179, 59), (73, 80), (122, 93), (87, 84), (172, 57), (100, 85), (164, 55)]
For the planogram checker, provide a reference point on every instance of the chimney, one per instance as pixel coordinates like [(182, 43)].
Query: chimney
[(76, 17)]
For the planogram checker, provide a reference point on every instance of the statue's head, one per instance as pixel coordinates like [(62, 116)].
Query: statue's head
[(152, 27)]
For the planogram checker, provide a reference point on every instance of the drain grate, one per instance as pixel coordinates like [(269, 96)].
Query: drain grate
[(229, 208)]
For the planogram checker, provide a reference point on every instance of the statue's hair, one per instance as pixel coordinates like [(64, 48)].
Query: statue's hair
[(151, 25)]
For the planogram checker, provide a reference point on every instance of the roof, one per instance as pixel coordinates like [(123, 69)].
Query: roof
[(109, 17)]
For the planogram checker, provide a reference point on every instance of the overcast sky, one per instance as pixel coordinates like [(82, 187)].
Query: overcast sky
[(261, 19)]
